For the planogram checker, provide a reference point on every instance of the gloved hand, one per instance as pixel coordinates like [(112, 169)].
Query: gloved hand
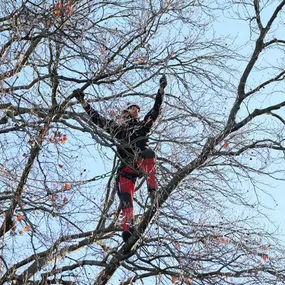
[(79, 95), (162, 81)]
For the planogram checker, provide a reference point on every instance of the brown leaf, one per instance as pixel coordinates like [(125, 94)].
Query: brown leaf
[(174, 279), (226, 144), (20, 218), (67, 186)]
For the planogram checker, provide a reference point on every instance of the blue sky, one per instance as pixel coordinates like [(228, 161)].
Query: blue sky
[(240, 32)]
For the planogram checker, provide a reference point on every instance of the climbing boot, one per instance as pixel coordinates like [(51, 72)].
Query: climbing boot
[(127, 234)]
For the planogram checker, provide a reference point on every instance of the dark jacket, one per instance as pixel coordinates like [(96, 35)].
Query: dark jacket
[(133, 134)]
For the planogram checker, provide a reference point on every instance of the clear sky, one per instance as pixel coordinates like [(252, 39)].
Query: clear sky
[(240, 32)]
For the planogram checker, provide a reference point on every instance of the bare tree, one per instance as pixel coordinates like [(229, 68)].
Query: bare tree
[(219, 142)]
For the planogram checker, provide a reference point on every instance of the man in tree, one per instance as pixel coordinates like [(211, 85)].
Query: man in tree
[(136, 157)]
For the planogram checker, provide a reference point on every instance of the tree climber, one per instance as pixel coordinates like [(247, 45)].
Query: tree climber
[(136, 157)]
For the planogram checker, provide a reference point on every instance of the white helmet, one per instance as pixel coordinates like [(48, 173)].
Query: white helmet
[(129, 105)]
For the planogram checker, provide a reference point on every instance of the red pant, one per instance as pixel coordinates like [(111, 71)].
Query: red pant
[(126, 182)]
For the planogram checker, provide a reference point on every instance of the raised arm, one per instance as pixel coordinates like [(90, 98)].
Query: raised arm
[(152, 115), (96, 118)]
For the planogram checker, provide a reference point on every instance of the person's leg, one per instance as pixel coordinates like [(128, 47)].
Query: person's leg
[(126, 189), (147, 165)]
